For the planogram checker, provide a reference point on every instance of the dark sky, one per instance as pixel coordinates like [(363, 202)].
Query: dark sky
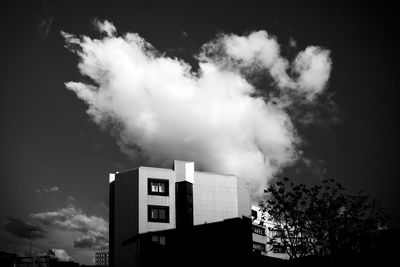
[(47, 140)]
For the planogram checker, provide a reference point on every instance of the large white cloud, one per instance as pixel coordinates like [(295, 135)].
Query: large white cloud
[(160, 110)]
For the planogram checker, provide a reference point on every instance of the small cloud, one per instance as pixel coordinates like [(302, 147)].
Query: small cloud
[(184, 34), (314, 67), (101, 202), (316, 167), (104, 205), (292, 43), (105, 27), (94, 241), (21, 229), (70, 200), (59, 254), (47, 190), (44, 26), (52, 189), (45, 20)]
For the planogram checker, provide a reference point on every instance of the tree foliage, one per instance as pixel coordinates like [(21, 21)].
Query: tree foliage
[(320, 220)]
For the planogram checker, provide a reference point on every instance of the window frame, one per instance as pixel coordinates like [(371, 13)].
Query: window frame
[(155, 180), (278, 249), (258, 230), (259, 246), (254, 214), (159, 240), (166, 210)]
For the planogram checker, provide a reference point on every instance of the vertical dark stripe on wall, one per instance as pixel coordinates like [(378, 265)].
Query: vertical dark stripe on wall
[(111, 224), (184, 204)]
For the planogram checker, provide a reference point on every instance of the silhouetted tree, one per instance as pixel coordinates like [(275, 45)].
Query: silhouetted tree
[(321, 219), (287, 206)]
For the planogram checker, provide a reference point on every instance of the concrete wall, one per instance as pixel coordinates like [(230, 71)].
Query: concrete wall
[(216, 197), (244, 200), (260, 238), (145, 199)]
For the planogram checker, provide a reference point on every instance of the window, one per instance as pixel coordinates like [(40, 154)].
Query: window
[(158, 214), (158, 239), (276, 233), (258, 246), (292, 234), (278, 249), (254, 214), (258, 230), (158, 187)]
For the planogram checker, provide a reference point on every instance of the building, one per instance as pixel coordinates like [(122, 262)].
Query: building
[(43, 261), (259, 232), (101, 258), (8, 259), (212, 244), (162, 206), (262, 233)]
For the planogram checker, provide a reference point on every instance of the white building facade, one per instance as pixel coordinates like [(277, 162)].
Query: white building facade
[(262, 234), (101, 258)]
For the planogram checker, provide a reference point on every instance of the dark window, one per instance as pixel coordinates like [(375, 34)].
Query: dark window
[(258, 246), (258, 230), (158, 214), (158, 187), (278, 249), (291, 234), (254, 214), (158, 239)]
